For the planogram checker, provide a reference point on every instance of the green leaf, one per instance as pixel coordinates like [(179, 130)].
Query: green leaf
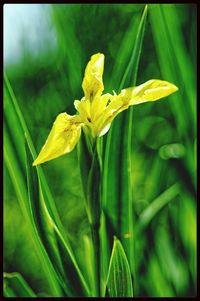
[(62, 258), (19, 183), (89, 264), (130, 76), (16, 286), (179, 70), (117, 183), (119, 283), (156, 205), (89, 154), (14, 116), (14, 154), (69, 52)]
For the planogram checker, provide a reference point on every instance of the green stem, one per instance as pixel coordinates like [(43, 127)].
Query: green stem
[(96, 248), (90, 167)]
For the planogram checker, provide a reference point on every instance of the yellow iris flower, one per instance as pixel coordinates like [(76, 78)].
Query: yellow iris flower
[(96, 111)]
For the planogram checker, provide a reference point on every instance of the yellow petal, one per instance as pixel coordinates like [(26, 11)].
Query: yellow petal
[(102, 123), (92, 113), (105, 130), (149, 91), (84, 109), (63, 137), (92, 83), (99, 105)]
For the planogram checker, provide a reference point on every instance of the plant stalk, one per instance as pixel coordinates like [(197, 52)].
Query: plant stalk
[(96, 248)]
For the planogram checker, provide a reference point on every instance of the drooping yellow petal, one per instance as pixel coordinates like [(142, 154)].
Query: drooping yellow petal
[(92, 83), (149, 91), (63, 137)]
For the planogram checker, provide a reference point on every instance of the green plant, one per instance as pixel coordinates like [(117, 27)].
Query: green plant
[(110, 268)]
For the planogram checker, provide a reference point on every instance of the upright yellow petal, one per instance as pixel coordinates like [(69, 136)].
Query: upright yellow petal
[(92, 83), (63, 137), (103, 122), (149, 91), (99, 105), (83, 106)]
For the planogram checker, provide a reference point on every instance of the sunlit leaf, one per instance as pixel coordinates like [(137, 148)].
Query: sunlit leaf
[(119, 283), (16, 286), (117, 187), (60, 253)]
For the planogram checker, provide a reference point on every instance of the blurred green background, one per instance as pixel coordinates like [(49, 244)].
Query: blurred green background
[(46, 48)]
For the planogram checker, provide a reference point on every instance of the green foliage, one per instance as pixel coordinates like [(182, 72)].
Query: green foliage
[(58, 248), (117, 184), (43, 228), (148, 162), (119, 283), (16, 286)]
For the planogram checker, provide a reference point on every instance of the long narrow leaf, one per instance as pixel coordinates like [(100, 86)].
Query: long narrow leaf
[(178, 70), (16, 286), (117, 190), (19, 185), (13, 115), (148, 214), (62, 259), (15, 160)]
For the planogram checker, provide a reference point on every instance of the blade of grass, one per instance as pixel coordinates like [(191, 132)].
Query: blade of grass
[(63, 261), (13, 115), (157, 280), (14, 159), (178, 70), (117, 190), (155, 206), (70, 52), (19, 185), (16, 286), (17, 165), (89, 259)]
